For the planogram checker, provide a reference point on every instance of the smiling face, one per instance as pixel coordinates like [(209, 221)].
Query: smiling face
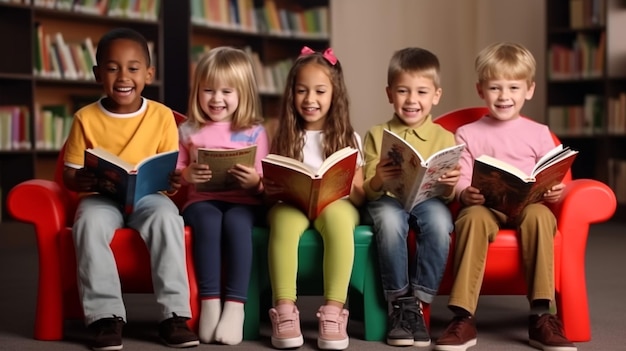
[(313, 92), (413, 96), (123, 73), (218, 101), (505, 97)]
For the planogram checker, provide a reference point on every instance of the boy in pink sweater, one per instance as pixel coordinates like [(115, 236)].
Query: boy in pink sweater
[(505, 81)]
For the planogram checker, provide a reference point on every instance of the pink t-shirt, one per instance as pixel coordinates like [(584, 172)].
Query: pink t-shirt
[(218, 135), (520, 142)]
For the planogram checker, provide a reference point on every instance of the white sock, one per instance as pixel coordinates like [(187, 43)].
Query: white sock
[(230, 328), (210, 312)]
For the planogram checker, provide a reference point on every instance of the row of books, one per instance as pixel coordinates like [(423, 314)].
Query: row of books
[(56, 58), (584, 58), (136, 9), (617, 178), (242, 15), (593, 117), (271, 77), (14, 128), (574, 120), (586, 13), (52, 124)]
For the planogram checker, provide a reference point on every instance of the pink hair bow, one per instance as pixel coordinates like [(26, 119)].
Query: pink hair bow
[(327, 54)]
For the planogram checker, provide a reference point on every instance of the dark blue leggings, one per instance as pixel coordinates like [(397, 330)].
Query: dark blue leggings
[(222, 233)]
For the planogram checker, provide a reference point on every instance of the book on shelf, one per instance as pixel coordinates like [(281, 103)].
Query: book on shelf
[(508, 189), (418, 180), (220, 161), (127, 183), (311, 190)]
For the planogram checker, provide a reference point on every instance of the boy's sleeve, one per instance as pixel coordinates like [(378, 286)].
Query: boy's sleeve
[(371, 150), (74, 154), (169, 139)]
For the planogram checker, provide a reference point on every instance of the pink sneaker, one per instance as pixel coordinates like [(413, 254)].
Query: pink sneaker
[(333, 322), (286, 327)]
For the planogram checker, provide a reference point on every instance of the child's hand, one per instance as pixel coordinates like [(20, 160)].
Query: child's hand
[(84, 180), (471, 196), (451, 177), (385, 169), (554, 194), (197, 173), (175, 178), (271, 187), (247, 176)]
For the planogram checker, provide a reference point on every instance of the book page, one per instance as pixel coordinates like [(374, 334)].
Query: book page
[(436, 166), (290, 163), (494, 162), (111, 158), (220, 161), (333, 159)]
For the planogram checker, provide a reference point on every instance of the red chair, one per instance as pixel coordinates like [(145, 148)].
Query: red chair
[(50, 207), (504, 270)]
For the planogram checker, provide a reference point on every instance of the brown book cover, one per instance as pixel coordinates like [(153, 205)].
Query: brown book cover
[(220, 161), (308, 189), (508, 189)]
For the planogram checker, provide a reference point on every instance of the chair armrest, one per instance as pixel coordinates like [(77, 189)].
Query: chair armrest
[(42, 203), (584, 202)]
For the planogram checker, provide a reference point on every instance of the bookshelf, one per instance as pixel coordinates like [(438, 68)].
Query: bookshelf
[(586, 85), (31, 149), (274, 31)]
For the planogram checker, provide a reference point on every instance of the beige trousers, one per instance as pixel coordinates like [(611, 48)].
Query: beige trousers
[(477, 226)]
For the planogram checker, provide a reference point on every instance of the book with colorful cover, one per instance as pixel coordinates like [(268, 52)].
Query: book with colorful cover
[(220, 161), (311, 190), (508, 190), (127, 183), (418, 180)]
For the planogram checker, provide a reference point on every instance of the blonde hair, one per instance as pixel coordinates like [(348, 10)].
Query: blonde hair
[(505, 60), (233, 67), (414, 60), (338, 132)]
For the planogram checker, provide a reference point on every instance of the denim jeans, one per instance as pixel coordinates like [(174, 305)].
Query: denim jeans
[(432, 223)]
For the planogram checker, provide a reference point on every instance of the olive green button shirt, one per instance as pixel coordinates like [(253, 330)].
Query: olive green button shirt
[(427, 139)]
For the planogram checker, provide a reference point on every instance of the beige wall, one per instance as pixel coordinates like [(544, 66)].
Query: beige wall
[(365, 33)]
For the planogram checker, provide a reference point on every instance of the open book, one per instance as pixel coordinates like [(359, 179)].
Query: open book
[(418, 181), (311, 190), (127, 183), (508, 189), (220, 161)]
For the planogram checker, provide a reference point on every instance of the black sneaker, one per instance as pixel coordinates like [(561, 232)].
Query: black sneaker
[(414, 315), (107, 334), (398, 328), (175, 333)]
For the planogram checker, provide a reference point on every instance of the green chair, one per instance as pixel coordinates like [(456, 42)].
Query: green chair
[(365, 298)]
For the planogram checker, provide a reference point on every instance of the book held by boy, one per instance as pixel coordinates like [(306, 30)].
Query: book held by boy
[(418, 181), (508, 189), (220, 161), (127, 183), (311, 190)]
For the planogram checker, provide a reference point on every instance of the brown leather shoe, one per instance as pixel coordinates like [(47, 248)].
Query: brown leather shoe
[(545, 332), (459, 335)]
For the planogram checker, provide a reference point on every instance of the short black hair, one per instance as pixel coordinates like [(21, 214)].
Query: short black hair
[(121, 33)]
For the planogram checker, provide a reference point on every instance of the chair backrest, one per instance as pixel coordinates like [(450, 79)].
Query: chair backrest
[(72, 196), (454, 119)]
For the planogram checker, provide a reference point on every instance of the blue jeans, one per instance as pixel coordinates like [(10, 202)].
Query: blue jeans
[(432, 223), (222, 234)]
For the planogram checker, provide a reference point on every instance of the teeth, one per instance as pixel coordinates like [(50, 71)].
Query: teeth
[(123, 89)]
